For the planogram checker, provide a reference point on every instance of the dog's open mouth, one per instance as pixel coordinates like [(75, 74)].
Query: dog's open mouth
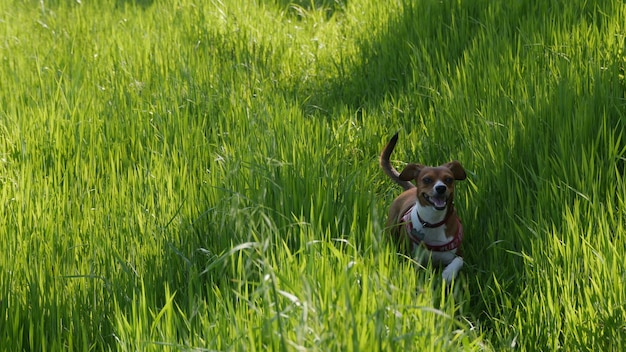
[(439, 202)]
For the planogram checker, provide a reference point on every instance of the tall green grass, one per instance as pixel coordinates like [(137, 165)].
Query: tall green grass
[(180, 175)]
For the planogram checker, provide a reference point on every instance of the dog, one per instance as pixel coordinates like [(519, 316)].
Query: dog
[(422, 220)]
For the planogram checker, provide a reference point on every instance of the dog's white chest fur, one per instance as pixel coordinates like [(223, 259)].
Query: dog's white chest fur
[(433, 237)]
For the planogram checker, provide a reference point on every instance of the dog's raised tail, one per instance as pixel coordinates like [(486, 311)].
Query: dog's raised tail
[(385, 164)]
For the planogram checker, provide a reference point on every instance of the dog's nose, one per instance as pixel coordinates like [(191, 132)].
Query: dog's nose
[(440, 189)]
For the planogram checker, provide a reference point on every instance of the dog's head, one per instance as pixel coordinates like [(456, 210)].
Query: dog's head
[(435, 185)]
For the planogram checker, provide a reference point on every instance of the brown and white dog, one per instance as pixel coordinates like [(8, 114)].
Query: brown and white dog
[(422, 220)]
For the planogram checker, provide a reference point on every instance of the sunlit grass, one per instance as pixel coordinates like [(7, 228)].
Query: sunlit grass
[(180, 175)]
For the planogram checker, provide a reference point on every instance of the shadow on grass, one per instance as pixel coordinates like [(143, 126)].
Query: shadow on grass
[(399, 59)]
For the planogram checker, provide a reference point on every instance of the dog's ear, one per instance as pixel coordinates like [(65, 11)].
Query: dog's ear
[(410, 172), (457, 170)]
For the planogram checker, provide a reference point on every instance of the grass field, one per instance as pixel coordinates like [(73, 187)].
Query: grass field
[(203, 175)]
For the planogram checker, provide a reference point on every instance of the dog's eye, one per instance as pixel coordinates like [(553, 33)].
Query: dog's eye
[(449, 180), (427, 180)]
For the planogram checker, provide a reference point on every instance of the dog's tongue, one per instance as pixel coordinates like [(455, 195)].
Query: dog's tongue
[(439, 202)]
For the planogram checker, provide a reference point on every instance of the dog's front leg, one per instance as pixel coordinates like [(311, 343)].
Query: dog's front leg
[(452, 270)]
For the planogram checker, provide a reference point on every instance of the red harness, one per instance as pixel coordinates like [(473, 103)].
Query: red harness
[(418, 238)]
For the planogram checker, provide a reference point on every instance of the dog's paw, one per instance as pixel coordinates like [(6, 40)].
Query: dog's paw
[(449, 275), (452, 270)]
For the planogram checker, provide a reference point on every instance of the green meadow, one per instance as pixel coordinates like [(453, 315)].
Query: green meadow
[(188, 175)]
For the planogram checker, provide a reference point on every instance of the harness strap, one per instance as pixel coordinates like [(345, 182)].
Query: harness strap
[(418, 238)]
